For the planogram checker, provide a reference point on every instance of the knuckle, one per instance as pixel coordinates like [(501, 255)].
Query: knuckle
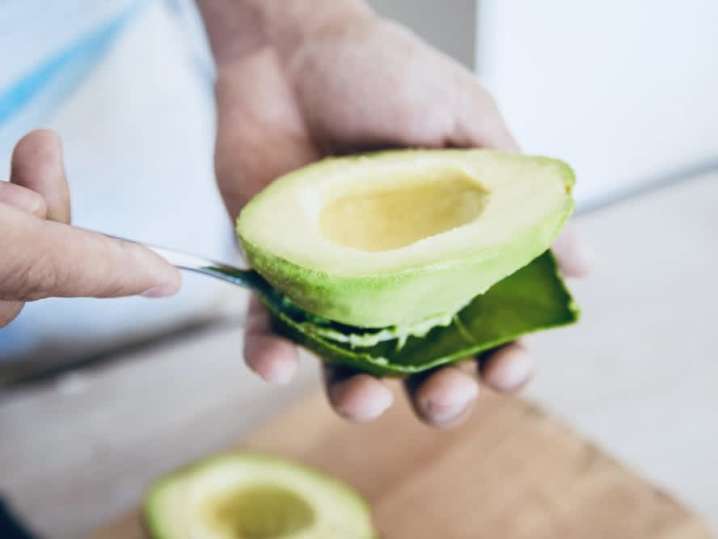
[(38, 205), (32, 266), (23, 198)]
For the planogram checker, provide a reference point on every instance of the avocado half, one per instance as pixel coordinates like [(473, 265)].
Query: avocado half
[(403, 238), (254, 496)]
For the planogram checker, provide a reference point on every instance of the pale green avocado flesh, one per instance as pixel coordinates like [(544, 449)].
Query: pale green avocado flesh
[(254, 496), (403, 238)]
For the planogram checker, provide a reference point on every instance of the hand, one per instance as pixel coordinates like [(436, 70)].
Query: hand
[(42, 256), (345, 88)]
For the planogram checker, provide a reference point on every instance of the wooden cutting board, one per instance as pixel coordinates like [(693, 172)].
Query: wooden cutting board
[(511, 472)]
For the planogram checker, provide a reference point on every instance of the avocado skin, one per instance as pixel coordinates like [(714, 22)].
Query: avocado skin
[(533, 298), (411, 295)]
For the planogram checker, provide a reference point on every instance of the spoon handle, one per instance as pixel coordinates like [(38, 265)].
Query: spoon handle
[(197, 264), (218, 270)]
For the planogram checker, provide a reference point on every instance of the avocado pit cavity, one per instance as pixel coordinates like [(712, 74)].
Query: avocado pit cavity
[(380, 216), (259, 512)]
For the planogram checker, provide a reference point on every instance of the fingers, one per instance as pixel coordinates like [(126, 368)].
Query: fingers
[(356, 397), (45, 258), (29, 201), (441, 398), (573, 257), (23, 199), (273, 358), (37, 164), (507, 369), (444, 397)]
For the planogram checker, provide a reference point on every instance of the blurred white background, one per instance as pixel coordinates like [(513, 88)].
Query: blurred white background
[(624, 90)]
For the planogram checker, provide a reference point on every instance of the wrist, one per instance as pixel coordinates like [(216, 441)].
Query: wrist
[(237, 28)]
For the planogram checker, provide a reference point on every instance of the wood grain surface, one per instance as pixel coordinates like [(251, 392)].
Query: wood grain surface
[(512, 472)]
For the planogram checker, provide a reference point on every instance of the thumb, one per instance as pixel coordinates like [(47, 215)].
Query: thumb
[(45, 259)]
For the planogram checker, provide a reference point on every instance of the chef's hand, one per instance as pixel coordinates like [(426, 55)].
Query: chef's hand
[(42, 256), (317, 78)]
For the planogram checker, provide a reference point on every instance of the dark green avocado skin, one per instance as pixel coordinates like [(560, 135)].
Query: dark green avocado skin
[(531, 299)]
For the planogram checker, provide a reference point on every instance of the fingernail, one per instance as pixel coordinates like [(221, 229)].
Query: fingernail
[(586, 260), (281, 373), (450, 407), (574, 255), (512, 374), (364, 408), (160, 291), (375, 407)]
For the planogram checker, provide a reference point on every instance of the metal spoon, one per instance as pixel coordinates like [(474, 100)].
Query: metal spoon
[(245, 278)]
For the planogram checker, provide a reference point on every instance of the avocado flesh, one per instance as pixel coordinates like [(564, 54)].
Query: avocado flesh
[(401, 238), (254, 496)]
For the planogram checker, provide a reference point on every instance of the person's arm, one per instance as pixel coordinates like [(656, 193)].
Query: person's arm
[(301, 79), (42, 256)]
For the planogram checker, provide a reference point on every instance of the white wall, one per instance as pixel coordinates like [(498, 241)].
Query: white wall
[(624, 90)]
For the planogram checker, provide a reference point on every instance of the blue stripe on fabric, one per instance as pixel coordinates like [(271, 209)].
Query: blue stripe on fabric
[(80, 57)]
